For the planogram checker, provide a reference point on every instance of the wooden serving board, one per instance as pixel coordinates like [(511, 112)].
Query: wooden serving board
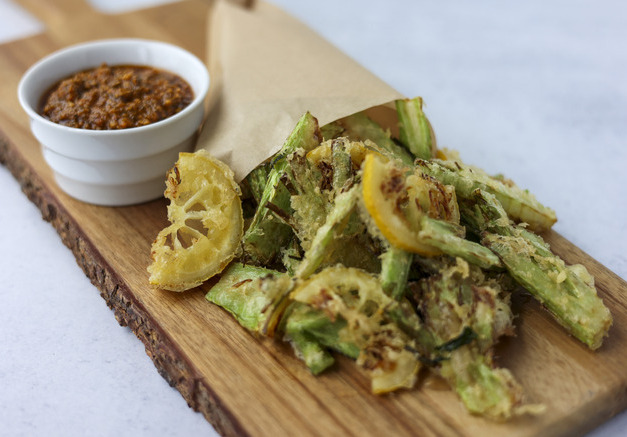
[(249, 386)]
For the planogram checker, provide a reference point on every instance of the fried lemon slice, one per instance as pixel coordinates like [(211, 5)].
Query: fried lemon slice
[(205, 213), (356, 298), (386, 197)]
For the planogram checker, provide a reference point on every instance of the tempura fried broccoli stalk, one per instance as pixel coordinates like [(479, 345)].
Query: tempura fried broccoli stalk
[(267, 234), (415, 130), (320, 250), (568, 292), (520, 205), (465, 313), (249, 293)]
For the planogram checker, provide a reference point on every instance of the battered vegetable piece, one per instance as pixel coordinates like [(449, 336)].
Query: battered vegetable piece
[(466, 314), (335, 223), (312, 335), (395, 267), (256, 182), (247, 292), (415, 130), (568, 292), (450, 239), (520, 205), (267, 234), (343, 167), (311, 198), (205, 213)]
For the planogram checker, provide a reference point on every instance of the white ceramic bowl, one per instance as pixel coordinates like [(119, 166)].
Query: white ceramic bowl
[(114, 167)]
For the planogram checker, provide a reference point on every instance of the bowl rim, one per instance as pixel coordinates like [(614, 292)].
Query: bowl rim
[(27, 77)]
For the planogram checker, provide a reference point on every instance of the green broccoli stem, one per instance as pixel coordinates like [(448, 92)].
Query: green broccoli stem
[(415, 130), (312, 334), (442, 235), (395, 266), (465, 313), (520, 205), (316, 358), (257, 180), (266, 234), (485, 390), (241, 292), (342, 165), (336, 221), (568, 292)]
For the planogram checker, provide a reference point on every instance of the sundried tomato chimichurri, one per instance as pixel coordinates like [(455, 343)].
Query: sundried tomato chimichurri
[(116, 97)]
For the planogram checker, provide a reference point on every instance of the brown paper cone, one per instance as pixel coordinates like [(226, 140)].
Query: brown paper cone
[(267, 69)]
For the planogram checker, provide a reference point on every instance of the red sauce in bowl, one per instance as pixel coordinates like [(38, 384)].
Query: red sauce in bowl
[(116, 97)]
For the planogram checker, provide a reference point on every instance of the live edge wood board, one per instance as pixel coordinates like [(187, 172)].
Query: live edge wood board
[(244, 385)]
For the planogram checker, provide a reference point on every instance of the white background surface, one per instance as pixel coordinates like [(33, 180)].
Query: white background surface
[(536, 90)]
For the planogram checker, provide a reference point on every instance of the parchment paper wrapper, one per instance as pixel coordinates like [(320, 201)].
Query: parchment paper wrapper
[(267, 69)]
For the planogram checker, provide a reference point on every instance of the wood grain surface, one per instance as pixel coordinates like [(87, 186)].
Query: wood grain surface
[(250, 386)]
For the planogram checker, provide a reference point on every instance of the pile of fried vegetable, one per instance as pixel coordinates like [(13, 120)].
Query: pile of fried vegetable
[(386, 250)]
